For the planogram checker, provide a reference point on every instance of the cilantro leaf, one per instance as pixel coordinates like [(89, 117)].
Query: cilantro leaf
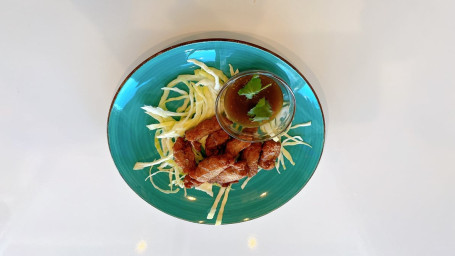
[(262, 111), (253, 87)]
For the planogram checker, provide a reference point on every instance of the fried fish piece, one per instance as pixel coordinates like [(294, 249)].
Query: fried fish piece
[(234, 146), (204, 128), (210, 167), (231, 174), (183, 155), (251, 155), (270, 151)]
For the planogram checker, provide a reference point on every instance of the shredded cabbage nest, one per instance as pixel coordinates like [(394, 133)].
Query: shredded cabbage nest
[(197, 104)]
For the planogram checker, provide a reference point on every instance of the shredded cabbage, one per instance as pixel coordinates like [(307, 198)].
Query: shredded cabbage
[(140, 165), (156, 186), (289, 141), (215, 203), (245, 182), (221, 211), (210, 71)]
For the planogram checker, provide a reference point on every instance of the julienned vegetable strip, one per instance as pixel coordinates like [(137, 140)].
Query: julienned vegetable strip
[(221, 211), (140, 165), (206, 69), (245, 182), (156, 186), (301, 125), (175, 90), (215, 204), (161, 112)]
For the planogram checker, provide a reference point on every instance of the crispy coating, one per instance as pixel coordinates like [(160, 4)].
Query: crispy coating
[(234, 146), (215, 141), (210, 167), (183, 155), (213, 151), (232, 174), (251, 155), (218, 167), (270, 151), (204, 128), (190, 182)]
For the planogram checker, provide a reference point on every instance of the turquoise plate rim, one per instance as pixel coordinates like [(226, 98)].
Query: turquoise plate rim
[(215, 40)]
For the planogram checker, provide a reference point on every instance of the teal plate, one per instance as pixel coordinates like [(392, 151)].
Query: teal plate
[(130, 141)]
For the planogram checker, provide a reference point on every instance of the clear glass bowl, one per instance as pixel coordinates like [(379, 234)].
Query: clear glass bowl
[(266, 130)]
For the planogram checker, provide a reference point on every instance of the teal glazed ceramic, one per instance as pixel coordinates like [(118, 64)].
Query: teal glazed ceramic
[(130, 141)]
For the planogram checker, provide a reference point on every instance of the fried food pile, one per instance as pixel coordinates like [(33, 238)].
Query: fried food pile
[(227, 159)]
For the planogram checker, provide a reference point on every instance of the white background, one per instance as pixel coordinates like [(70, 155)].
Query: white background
[(384, 71)]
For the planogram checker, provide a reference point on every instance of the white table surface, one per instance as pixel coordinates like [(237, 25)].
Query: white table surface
[(384, 71)]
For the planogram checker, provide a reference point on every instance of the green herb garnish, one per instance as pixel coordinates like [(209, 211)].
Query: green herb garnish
[(253, 87), (203, 153), (262, 111)]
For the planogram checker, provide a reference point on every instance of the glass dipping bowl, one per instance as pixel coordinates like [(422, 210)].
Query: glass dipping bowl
[(266, 130)]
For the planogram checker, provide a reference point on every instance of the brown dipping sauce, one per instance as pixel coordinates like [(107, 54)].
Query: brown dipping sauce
[(237, 106)]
